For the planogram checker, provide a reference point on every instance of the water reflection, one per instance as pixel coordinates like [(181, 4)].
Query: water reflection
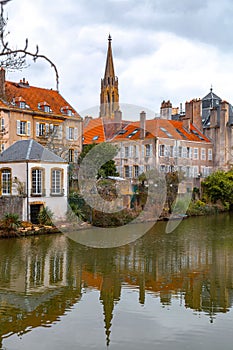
[(42, 278)]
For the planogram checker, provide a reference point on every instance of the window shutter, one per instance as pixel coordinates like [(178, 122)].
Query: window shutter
[(75, 134), (130, 151), (67, 133), (28, 128), (47, 129), (75, 156), (60, 131), (18, 127), (150, 150), (143, 151), (37, 129)]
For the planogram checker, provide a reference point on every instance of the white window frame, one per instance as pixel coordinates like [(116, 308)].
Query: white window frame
[(210, 154), (6, 182), (56, 181), (195, 153), (203, 154), (37, 181)]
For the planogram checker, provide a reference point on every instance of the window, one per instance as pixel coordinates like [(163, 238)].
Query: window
[(136, 171), (42, 129), (148, 150), (147, 168), (71, 133), (210, 154), (189, 152), (161, 150), (195, 153), (22, 104), (203, 154), (36, 182), (126, 152), (2, 124), (95, 138), (71, 155), (23, 127), (126, 171), (162, 168), (184, 152), (6, 181), (180, 152), (56, 182), (195, 171), (171, 151)]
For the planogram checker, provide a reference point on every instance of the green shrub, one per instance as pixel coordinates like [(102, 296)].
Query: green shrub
[(45, 216)]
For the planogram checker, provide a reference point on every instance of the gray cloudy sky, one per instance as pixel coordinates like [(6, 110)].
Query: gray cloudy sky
[(163, 49)]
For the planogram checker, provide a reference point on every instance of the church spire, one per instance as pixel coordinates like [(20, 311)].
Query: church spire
[(109, 96), (109, 69)]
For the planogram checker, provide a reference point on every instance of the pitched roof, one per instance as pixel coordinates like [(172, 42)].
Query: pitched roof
[(33, 96), (161, 128), (94, 131), (29, 150)]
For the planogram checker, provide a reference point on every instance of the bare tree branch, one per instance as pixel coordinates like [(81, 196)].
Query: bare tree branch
[(15, 59)]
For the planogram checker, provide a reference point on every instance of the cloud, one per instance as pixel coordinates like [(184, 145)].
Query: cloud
[(162, 49)]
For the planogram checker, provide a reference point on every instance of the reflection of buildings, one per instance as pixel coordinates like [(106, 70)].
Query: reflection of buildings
[(43, 277)]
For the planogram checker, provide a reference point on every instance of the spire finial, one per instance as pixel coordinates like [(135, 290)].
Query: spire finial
[(211, 88), (109, 38)]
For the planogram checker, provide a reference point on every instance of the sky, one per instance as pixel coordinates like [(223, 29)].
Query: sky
[(163, 49)]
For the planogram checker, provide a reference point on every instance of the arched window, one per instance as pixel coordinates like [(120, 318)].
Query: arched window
[(6, 181)]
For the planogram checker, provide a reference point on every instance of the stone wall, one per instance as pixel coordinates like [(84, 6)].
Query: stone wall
[(11, 205)]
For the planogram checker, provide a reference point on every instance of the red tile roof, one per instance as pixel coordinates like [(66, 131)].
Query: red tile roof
[(162, 128), (35, 95), (94, 129)]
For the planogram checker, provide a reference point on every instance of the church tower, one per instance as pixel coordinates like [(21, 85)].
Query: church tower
[(109, 96)]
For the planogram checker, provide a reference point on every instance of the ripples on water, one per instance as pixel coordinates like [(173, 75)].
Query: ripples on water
[(164, 290)]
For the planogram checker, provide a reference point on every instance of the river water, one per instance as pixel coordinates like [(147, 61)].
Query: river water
[(163, 291)]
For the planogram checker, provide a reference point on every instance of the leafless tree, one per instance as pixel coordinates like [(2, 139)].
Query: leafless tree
[(14, 58)]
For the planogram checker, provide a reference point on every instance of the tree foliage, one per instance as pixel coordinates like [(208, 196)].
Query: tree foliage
[(219, 187), (107, 169)]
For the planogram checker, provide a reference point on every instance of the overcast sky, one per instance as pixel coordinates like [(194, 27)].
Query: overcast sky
[(163, 49)]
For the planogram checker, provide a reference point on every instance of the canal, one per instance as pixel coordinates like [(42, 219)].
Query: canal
[(163, 291)]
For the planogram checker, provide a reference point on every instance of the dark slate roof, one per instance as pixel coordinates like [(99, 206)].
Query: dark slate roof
[(211, 95), (29, 150)]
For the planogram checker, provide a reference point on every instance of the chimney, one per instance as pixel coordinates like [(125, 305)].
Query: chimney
[(2, 82), (142, 125), (213, 117), (87, 120), (193, 111), (186, 123), (166, 110), (118, 116)]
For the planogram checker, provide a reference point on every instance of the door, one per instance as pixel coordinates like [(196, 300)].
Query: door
[(34, 212)]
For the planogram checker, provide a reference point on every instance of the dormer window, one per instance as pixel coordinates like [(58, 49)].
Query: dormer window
[(67, 110), (44, 106), (20, 102)]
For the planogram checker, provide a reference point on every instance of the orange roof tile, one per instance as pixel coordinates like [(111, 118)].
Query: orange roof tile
[(164, 129), (34, 95), (94, 132)]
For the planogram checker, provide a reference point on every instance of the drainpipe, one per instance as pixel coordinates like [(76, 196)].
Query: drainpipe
[(27, 182)]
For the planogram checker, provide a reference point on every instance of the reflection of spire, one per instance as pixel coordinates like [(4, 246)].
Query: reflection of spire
[(110, 291)]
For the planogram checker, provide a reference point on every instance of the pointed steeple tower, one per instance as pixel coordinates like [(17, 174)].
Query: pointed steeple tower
[(109, 96)]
